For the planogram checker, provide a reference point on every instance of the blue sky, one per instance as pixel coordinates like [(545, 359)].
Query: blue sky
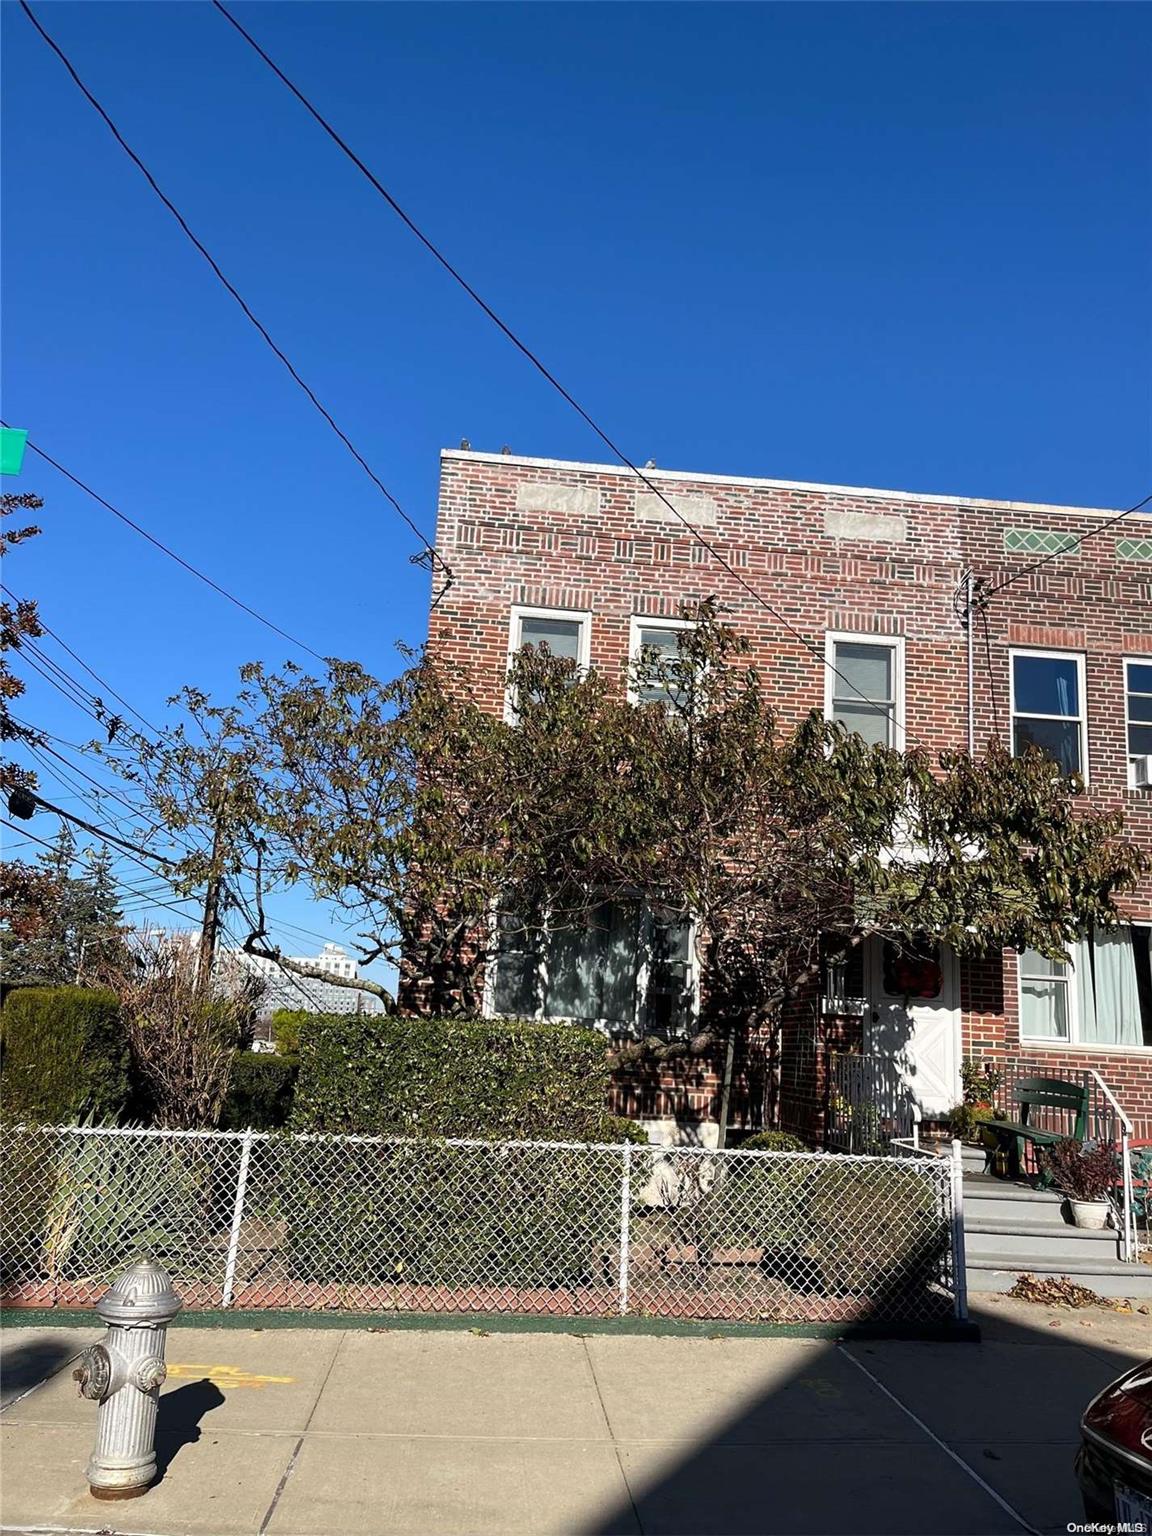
[(893, 245)]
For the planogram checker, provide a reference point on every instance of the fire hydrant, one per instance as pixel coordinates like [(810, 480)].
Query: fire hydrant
[(124, 1374)]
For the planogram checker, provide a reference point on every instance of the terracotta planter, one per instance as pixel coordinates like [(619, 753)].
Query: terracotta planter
[(1090, 1213)]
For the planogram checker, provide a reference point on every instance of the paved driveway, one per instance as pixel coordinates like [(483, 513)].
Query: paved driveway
[(319, 1432)]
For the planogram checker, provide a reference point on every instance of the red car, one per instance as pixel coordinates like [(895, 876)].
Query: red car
[(1114, 1462)]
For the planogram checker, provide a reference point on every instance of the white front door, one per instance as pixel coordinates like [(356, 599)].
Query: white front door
[(914, 1020)]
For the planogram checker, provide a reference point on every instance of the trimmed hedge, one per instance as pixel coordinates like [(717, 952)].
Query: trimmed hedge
[(773, 1141), (505, 1079), (260, 1091), (65, 1056), (286, 1026)]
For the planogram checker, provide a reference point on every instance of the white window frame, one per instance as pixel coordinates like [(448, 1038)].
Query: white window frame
[(1130, 757), (1072, 1010), (1047, 653), (637, 623), (644, 961), (897, 734), (519, 611), (1073, 1041)]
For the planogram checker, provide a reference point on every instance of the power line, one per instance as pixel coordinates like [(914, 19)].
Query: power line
[(171, 553), (540, 367), (1059, 554), (101, 789), (40, 664), (133, 850), (31, 836), (108, 688), (429, 555)]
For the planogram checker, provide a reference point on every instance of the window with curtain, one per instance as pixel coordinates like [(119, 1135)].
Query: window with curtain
[(864, 688), (1102, 997), (627, 967), (1047, 707)]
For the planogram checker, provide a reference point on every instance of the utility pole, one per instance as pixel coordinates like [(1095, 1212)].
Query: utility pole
[(210, 926)]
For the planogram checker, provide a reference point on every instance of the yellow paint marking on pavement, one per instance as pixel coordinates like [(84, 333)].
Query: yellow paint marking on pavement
[(225, 1375)]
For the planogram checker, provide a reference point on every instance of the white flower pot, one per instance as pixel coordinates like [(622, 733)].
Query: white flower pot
[(1090, 1213)]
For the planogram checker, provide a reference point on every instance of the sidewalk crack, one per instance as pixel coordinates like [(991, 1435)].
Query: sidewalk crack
[(612, 1438), (291, 1467)]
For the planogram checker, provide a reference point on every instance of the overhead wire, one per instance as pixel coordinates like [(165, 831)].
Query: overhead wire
[(107, 686), (1060, 554), (537, 363), (428, 556), (171, 553)]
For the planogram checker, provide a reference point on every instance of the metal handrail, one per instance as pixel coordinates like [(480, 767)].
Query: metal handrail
[(1107, 1121), (1112, 1099)]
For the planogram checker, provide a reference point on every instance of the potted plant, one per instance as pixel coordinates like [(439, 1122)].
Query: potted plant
[(1086, 1174)]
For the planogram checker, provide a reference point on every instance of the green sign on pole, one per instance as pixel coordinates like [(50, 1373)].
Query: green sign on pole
[(12, 441)]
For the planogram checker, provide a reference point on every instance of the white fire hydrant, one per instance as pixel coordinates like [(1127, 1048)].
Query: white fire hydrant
[(124, 1374)]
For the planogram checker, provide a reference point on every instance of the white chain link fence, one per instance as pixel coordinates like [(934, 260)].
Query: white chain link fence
[(249, 1219)]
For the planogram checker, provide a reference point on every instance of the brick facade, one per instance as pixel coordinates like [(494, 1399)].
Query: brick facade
[(590, 539)]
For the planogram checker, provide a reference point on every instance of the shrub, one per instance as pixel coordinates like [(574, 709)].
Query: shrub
[(508, 1079), (773, 1141), (260, 1091), (65, 1055), (423, 1212), (616, 1128), (980, 1081), (1082, 1171), (286, 1026), (875, 1229)]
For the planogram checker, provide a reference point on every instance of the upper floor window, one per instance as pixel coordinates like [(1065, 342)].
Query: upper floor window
[(864, 686), (1138, 687), (654, 644), (560, 631), (1048, 707)]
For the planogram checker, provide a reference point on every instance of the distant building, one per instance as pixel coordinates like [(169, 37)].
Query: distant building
[(285, 989)]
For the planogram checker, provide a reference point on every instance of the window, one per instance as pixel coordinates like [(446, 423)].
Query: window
[(627, 968), (1102, 997), (1048, 707), (1138, 687), (864, 688), (653, 644), (843, 977), (563, 632)]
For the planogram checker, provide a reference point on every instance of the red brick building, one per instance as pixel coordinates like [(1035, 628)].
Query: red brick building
[(586, 557)]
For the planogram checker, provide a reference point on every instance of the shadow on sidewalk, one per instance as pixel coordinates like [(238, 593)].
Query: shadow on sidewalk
[(1010, 1405), (178, 1420), (25, 1365)]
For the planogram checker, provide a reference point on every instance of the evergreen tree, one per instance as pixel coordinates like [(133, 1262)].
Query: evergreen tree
[(55, 926)]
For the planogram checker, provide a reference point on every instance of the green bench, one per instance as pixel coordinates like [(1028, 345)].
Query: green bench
[(1031, 1093)]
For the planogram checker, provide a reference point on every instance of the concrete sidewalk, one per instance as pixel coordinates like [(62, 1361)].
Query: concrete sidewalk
[(440, 1433)]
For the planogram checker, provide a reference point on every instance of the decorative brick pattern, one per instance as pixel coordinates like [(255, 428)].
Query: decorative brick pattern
[(1037, 541), (591, 542)]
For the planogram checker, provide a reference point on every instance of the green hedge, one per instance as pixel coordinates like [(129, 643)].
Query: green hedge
[(428, 1213), (498, 1078), (773, 1141), (65, 1056), (260, 1091), (286, 1026)]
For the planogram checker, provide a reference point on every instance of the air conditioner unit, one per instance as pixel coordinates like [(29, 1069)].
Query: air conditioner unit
[(1142, 771)]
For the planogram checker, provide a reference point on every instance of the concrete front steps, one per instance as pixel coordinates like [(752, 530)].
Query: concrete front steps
[(1011, 1229)]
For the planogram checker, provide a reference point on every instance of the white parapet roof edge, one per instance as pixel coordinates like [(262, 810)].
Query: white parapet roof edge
[(687, 477)]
